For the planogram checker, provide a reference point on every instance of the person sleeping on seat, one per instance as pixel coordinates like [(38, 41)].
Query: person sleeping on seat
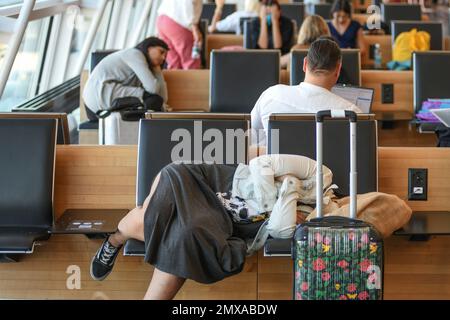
[(201, 221), (134, 72)]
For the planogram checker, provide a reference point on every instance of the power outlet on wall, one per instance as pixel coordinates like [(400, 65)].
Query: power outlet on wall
[(372, 52), (417, 184), (387, 93)]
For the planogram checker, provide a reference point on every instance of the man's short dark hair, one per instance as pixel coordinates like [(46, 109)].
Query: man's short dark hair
[(324, 54)]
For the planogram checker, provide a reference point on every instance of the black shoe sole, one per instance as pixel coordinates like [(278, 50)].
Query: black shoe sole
[(92, 274)]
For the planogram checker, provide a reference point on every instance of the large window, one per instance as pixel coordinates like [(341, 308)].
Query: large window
[(50, 51), (23, 79), (5, 3), (138, 6), (67, 40)]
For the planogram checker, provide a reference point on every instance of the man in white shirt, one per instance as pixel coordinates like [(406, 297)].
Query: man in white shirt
[(322, 67)]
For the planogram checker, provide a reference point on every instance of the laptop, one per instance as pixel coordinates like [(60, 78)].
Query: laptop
[(443, 115), (359, 96)]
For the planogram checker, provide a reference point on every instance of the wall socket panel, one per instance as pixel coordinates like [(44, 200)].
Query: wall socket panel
[(372, 52), (417, 184), (387, 93)]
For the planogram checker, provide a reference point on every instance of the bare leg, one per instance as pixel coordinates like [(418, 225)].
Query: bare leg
[(132, 225), (163, 286)]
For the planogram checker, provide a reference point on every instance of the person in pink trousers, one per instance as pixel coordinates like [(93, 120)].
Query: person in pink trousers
[(178, 26)]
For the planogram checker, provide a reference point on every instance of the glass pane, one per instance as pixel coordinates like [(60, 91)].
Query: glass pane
[(22, 81), (136, 12), (5, 3), (82, 24), (3, 47)]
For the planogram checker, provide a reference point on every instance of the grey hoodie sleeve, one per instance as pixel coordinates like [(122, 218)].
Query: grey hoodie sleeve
[(152, 83)]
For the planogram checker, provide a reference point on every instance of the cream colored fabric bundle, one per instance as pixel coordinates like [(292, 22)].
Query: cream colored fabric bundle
[(386, 212)]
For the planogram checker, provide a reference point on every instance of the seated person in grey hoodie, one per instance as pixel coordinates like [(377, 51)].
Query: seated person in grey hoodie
[(134, 72)]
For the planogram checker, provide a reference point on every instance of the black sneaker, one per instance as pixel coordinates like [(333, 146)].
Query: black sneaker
[(103, 261)]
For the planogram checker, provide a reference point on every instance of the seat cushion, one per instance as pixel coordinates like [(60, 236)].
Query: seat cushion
[(88, 125), (277, 247), (134, 248), (20, 240)]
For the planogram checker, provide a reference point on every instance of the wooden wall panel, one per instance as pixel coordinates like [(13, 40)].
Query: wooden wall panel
[(417, 270), (42, 275), (402, 108), (218, 41), (275, 275), (88, 177), (385, 45), (188, 89), (404, 134), (393, 174), (284, 77)]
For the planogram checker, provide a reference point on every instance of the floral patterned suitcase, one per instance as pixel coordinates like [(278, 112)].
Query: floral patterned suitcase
[(337, 258)]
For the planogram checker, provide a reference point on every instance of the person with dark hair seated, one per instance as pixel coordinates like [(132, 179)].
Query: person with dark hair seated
[(134, 72), (272, 30), (347, 32), (322, 67)]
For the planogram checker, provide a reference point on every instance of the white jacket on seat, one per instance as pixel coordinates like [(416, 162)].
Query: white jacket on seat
[(275, 183)]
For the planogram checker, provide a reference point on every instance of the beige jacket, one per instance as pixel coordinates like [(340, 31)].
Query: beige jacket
[(386, 212)]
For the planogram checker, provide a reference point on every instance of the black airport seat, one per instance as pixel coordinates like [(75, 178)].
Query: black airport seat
[(294, 11), (209, 8), (322, 9), (134, 248), (336, 154), (156, 145), (27, 164), (236, 80), (63, 135)]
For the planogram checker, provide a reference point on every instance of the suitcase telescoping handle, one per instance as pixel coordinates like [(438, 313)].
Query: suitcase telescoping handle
[(335, 114)]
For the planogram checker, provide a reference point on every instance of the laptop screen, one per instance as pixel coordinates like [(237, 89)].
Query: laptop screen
[(443, 115), (361, 97)]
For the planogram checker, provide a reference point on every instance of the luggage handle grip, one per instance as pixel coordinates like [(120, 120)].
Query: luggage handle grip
[(319, 158), (336, 114)]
